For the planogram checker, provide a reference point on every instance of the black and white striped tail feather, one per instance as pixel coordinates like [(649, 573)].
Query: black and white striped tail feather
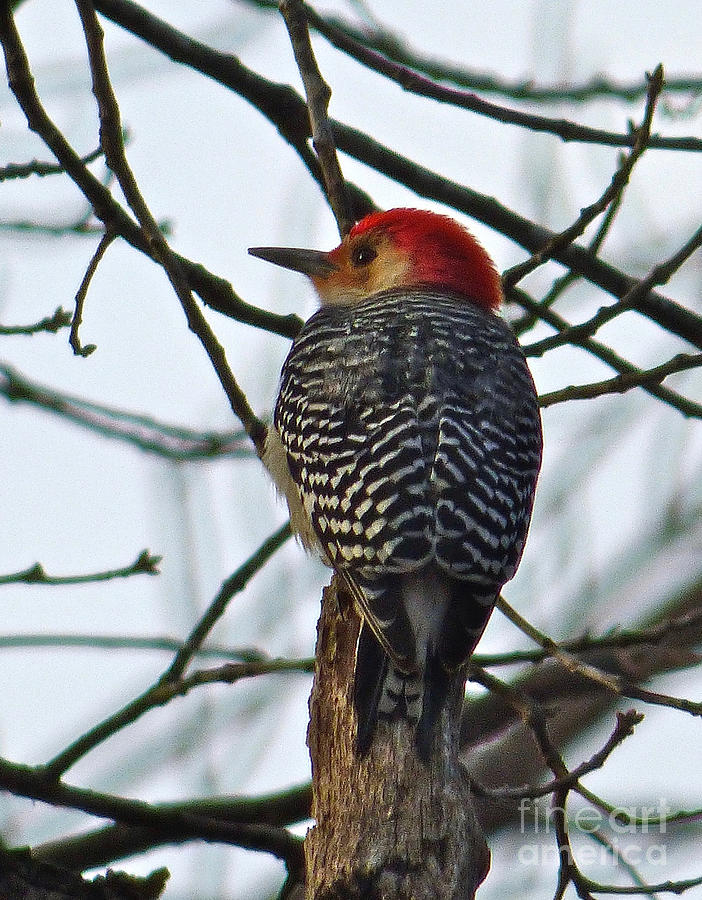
[(386, 688)]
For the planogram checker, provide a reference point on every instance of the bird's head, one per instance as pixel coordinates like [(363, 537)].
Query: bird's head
[(398, 248)]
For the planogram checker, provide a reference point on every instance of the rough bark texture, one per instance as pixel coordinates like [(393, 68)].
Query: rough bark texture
[(387, 826)]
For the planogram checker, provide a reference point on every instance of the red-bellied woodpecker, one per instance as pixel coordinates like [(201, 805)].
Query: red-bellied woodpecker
[(407, 441)]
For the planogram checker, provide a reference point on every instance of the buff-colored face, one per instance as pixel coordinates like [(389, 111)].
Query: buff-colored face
[(365, 264)]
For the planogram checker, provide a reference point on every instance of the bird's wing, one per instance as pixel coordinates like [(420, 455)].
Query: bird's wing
[(351, 432), (362, 481), (484, 471)]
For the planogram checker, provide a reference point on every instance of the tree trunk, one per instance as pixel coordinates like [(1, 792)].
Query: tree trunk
[(387, 826)]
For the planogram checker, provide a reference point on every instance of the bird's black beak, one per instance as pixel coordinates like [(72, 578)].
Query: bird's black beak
[(310, 262)]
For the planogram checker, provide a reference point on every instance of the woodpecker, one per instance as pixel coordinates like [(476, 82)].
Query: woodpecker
[(407, 441)]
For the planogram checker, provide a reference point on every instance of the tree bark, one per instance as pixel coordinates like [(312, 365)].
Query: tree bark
[(387, 825)]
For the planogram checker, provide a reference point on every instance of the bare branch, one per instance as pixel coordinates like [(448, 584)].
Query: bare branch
[(112, 142), (562, 283), (625, 382), (318, 95), (170, 684), (639, 637), (534, 719), (170, 441), (606, 354), (286, 110), (660, 274), (670, 315), (233, 585), (144, 564), (418, 84), (74, 339), (103, 846), (624, 728), (614, 683), (619, 181), (80, 227), (61, 318), (24, 170), (663, 887), (155, 643), (617, 856), (215, 292), (25, 781), (159, 695), (623, 817), (396, 48)]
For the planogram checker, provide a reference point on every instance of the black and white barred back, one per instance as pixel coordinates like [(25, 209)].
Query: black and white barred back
[(412, 431)]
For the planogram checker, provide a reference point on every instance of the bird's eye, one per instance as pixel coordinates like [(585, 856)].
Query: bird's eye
[(361, 256)]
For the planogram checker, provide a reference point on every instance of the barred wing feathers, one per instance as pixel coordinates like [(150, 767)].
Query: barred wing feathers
[(412, 431)]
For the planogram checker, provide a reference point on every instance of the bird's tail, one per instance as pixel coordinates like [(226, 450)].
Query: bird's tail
[(384, 691), (419, 691)]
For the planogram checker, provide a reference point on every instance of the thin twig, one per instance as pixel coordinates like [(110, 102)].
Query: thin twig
[(216, 292), (396, 47), (669, 887), (619, 181), (621, 816), (633, 692), (74, 339), (153, 643), (230, 673), (145, 432), (564, 282), (168, 685), (567, 660), (567, 869), (415, 83), (318, 95), (24, 170), (61, 318), (658, 275), (159, 695), (624, 728), (620, 384), (534, 719), (617, 856), (610, 682), (233, 585), (654, 635), (144, 564), (80, 227), (607, 355), (112, 142), (662, 273)]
